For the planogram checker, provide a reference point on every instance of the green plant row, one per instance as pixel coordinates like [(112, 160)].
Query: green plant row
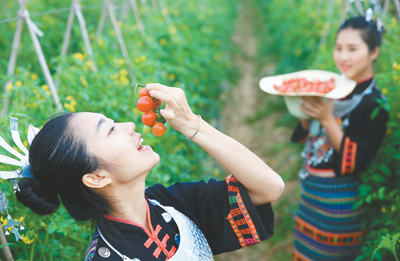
[(192, 53), (291, 37)]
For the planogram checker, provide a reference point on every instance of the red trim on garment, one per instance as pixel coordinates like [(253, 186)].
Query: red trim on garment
[(152, 234), (349, 156)]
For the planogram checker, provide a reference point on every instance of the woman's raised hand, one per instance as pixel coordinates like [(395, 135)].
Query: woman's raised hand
[(177, 111)]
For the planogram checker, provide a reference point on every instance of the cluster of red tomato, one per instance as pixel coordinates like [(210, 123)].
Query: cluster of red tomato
[(302, 85), (152, 119)]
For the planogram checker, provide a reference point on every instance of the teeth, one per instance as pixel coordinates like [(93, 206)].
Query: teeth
[(140, 142)]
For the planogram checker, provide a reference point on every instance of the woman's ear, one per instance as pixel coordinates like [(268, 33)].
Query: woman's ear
[(375, 53), (98, 179)]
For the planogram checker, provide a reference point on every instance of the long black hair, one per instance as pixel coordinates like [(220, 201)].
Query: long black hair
[(370, 33), (59, 159)]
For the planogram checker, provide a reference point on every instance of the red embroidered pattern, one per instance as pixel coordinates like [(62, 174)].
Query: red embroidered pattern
[(349, 156), (330, 239), (239, 218), (153, 235)]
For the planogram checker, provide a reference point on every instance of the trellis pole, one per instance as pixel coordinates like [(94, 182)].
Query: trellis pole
[(385, 8), (164, 12), (138, 19), (328, 23), (6, 249), (33, 32), (126, 6), (397, 6), (109, 8), (75, 10)]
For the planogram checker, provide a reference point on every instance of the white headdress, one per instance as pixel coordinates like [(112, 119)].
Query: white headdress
[(21, 172)]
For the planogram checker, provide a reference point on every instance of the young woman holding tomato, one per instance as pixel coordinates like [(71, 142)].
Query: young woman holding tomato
[(98, 169), (340, 139)]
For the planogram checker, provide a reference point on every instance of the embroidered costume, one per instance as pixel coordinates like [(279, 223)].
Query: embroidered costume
[(327, 227), (188, 221)]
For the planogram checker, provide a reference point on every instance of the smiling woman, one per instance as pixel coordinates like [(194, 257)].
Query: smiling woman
[(340, 139), (98, 169)]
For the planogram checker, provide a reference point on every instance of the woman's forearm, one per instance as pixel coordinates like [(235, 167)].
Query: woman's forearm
[(262, 183)]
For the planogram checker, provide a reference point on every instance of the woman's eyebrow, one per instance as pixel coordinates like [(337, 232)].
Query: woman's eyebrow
[(101, 121)]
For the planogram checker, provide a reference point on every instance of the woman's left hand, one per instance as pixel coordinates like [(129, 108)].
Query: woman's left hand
[(317, 108), (177, 110)]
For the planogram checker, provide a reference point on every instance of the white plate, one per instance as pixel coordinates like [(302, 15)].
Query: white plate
[(343, 85)]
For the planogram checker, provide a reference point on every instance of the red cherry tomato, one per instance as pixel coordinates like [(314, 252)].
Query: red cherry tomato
[(143, 92), (144, 104), (149, 118), (159, 129)]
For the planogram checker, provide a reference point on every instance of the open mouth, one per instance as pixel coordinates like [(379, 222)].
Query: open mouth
[(140, 146)]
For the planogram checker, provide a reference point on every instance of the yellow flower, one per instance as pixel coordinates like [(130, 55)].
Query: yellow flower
[(9, 86), (395, 77), (383, 209), (27, 240), (69, 98), (45, 87), (79, 56), (384, 91), (172, 76), (34, 105), (26, 144), (83, 81), (34, 76), (217, 56), (396, 66), (100, 41), (72, 108), (120, 24), (20, 219), (112, 33), (143, 58), (90, 64), (3, 221), (123, 72), (162, 41), (137, 60), (143, 9), (18, 83), (121, 61), (124, 80)]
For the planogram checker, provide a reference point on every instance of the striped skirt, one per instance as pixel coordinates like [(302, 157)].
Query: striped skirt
[(327, 227)]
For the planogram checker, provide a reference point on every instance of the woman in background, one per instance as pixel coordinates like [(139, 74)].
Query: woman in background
[(340, 139)]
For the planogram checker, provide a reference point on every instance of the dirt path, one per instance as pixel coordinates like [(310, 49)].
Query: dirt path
[(260, 136)]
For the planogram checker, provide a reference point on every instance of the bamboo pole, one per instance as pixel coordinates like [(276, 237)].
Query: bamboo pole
[(385, 8), (138, 19), (6, 248), (42, 60), (121, 42), (328, 23), (65, 43), (397, 6), (102, 20), (164, 12), (85, 34), (13, 60)]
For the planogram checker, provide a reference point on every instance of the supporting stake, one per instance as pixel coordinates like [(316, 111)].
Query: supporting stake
[(33, 30), (121, 42), (75, 10), (6, 248)]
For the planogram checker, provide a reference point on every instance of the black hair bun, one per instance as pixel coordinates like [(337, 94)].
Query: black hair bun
[(33, 195)]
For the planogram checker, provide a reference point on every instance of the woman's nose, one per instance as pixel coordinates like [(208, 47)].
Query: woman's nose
[(129, 127)]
